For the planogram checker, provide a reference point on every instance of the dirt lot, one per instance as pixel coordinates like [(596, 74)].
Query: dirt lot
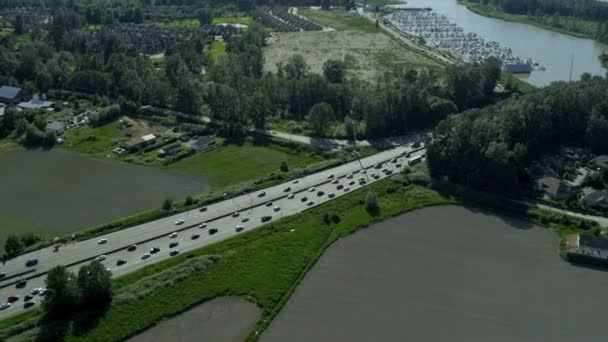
[(445, 274), (224, 319), (62, 191), (365, 53)]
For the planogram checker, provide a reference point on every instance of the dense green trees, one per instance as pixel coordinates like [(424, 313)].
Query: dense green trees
[(489, 148), (321, 114), (334, 71), (67, 293), (13, 246)]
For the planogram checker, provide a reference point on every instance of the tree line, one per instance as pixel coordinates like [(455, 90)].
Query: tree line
[(490, 148)]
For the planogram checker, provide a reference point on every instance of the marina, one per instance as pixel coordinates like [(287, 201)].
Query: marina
[(437, 32)]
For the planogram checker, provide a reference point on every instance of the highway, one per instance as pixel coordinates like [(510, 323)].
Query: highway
[(195, 232)]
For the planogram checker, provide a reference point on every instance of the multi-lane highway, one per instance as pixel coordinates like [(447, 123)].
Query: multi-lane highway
[(199, 227)]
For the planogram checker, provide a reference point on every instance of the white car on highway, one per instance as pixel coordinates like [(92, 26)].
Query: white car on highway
[(101, 258), (245, 219), (290, 196), (145, 256), (202, 225), (276, 208), (102, 241), (311, 189), (5, 306), (179, 222), (173, 235)]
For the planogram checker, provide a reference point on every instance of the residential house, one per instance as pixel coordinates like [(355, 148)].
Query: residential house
[(56, 127), (169, 151), (555, 188), (598, 163), (596, 199), (13, 95), (587, 249), (36, 104), (202, 143), (139, 143)]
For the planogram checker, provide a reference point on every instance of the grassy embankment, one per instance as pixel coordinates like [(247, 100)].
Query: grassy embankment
[(340, 20), (264, 265), (567, 25)]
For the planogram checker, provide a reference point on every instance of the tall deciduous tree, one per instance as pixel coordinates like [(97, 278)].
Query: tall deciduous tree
[(62, 295), (321, 114)]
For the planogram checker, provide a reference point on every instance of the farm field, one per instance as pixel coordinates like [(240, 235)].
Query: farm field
[(223, 319), (444, 273), (365, 54), (60, 191), (232, 164)]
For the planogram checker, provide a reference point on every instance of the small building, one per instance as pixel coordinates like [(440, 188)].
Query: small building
[(596, 199), (56, 127), (587, 249), (2, 107), (555, 188), (139, 143), (13, 95), (203, 143), (169, 151), (598, 163), (36, 104)]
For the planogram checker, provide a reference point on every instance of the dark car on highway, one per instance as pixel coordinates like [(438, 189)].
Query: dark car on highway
[(21, 283), (195, 236), (174, 252), (304, 199), (203, 209), (28, 297), (13, 298), (212, 231), (339, 187), (269, 204), (154, 250), (132, 248), (28, 304), (266, 218), (121, 262), (173, 244), (320, 193)]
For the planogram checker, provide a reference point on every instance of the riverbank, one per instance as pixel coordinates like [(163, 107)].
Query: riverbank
[(570, 26)]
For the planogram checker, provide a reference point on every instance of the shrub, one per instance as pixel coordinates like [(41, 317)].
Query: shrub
[(284, 167), (371, 203)]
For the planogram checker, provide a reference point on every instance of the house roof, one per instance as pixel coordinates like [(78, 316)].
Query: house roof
[(202, 142), (35, 104), (596, 198), (554, 186), (8, 92), (148, 137)]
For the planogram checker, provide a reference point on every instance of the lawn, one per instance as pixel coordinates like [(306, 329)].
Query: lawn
[(244, 20), (264, 265), (233, 164), (340, 20), (10, 226), (215, 49), (98, 141), (183, 23)]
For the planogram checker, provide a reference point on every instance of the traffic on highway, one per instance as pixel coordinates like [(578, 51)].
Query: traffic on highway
[(129, 249)]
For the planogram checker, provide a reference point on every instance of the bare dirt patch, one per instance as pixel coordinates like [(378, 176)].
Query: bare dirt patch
[(365, 53), (223, 319), (445, 274)]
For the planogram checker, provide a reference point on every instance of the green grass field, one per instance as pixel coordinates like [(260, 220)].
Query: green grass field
[(97, 141), (183, 23), (340, 20), (215, 49), (233, 164), (244, 20), (264, 265)]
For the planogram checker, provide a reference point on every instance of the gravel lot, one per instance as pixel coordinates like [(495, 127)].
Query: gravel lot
[(223, 319), (445, 274), (369, 53), (62, 191)]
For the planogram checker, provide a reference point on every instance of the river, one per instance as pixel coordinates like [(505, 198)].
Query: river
[(554, 51)]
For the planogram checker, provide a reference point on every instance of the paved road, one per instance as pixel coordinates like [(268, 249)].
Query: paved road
[(218, 216), (602, 221)]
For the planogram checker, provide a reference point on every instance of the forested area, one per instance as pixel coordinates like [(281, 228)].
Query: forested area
[(582, 9), (490, 148), (233, 87)]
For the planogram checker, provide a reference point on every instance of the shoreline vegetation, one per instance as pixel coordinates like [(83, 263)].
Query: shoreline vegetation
[(266, 265), (574, 27)]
